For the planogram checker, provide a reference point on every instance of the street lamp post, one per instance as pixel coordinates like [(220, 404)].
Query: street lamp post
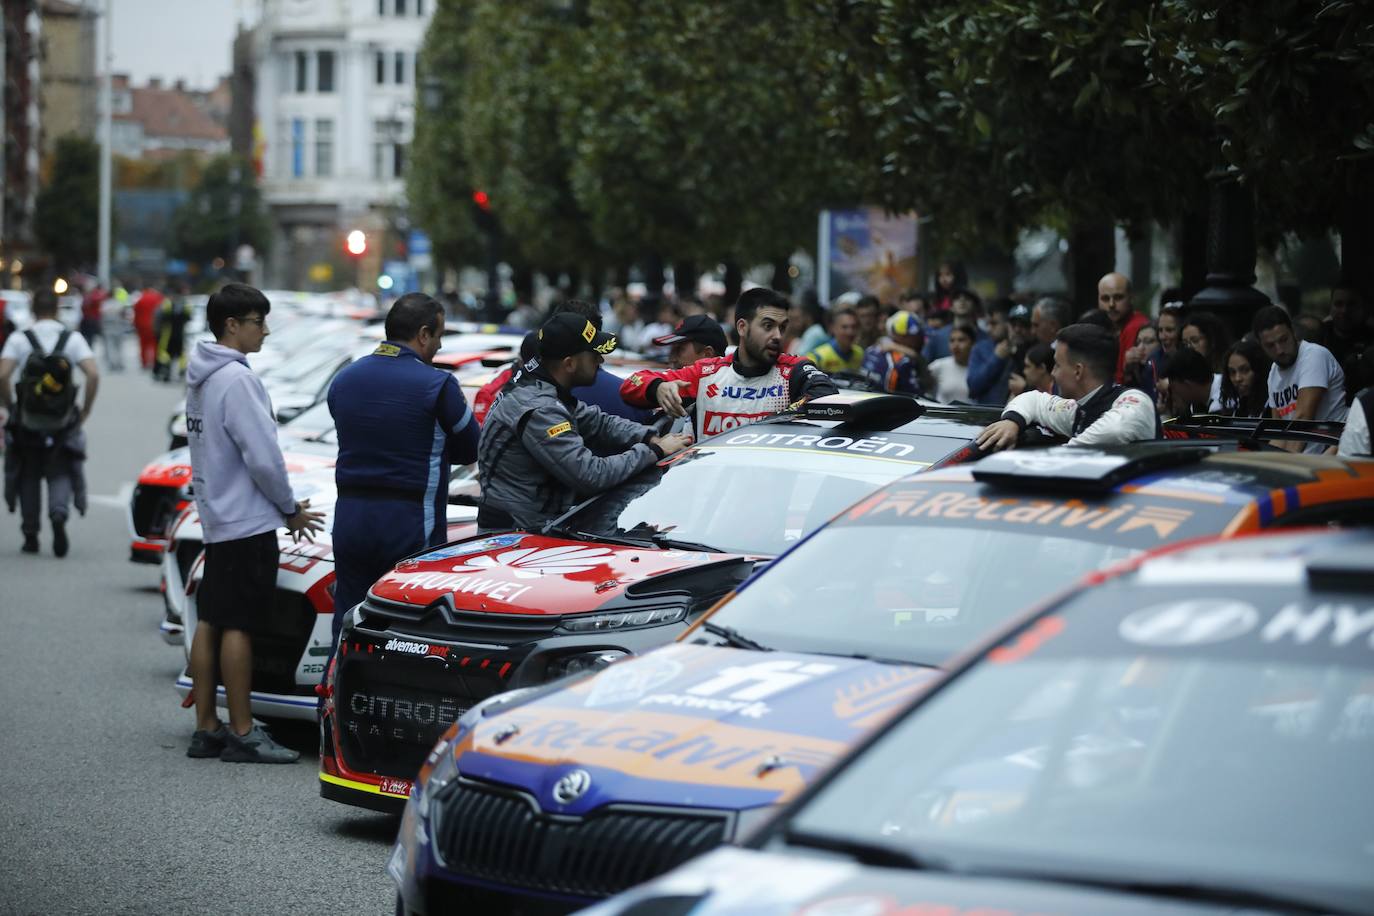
[(106, 134), (1230, 292)]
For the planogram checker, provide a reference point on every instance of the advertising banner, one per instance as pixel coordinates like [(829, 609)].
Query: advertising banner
[(867, 250)]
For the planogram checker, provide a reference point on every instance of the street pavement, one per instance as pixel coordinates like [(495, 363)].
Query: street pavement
[(101, 810)]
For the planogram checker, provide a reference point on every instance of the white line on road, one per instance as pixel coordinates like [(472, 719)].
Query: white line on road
[(118, 501)]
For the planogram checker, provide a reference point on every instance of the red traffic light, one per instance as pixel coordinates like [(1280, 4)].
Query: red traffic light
[(481, 199), (356, 243)]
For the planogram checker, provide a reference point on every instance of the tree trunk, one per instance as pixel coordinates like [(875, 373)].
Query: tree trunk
[(1357, 233), (685, 278), (734, 282), (1092, 254), (782, 280), (1192, 248), (653, 276)]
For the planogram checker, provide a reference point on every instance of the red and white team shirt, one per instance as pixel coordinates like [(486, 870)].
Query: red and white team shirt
[(725, 398)]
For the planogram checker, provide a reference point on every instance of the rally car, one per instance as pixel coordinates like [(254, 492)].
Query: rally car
[(894, 591), (288, 662), (621, 573), (1192, 733)]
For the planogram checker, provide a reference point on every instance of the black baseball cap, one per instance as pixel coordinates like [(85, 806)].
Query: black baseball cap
[(567, 334), (702, 329), (1019, 313)]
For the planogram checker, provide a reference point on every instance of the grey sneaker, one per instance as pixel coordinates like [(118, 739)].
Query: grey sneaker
[(207, 744), (256, 747)]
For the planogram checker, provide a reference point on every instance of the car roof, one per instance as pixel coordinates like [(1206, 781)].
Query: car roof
[(1331, 556), (1168, 467)]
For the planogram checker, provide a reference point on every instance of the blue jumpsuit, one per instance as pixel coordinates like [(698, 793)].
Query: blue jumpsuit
[(400, 424)]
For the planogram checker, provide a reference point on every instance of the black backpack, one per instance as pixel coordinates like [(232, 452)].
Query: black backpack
[(46, 392)]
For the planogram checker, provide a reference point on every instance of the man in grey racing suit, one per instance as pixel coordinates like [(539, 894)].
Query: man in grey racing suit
[(534, 460), (1093, 409)]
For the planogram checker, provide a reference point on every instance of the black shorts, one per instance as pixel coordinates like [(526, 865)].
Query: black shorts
[(240, 578)]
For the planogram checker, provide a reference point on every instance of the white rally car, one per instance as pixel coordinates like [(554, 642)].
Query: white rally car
[(289, 657)]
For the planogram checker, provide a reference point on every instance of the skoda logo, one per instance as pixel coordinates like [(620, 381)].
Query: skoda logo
[(572, 786)]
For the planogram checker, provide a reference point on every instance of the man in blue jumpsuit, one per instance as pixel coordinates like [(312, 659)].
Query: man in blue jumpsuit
[(400, 424)]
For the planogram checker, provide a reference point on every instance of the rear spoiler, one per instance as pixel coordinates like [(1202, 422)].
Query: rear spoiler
[(1254, 429)]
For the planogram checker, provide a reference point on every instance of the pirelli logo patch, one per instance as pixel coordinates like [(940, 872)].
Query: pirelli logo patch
[(560, 429), (387, 349)]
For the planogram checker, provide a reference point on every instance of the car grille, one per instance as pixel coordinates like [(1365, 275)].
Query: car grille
[(279, 641), (502, 837), (392, 708), (153, 508)]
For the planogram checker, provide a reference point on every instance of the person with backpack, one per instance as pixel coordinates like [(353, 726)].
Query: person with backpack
[(43, 436)]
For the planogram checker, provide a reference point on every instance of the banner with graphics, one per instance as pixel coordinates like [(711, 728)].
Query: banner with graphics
[(867, 250)]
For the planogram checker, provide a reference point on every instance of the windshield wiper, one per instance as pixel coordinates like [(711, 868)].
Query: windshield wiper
[(734, 637), (1172, 890), (880, 659), (861, 851), (664, 540), (557, 532)]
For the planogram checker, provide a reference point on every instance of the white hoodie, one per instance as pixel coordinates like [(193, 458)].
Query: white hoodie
[(237, 472)]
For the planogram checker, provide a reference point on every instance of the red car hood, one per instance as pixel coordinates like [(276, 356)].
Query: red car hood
[(173, 469), (530, 573)]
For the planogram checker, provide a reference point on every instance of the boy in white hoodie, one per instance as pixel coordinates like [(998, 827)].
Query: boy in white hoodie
[(243, 496)]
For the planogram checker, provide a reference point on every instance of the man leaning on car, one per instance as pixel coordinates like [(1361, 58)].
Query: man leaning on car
[(534, 461)]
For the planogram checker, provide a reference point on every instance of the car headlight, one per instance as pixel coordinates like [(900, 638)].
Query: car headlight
[(445, 770), (622, 620), (583, 662), (750, 819)]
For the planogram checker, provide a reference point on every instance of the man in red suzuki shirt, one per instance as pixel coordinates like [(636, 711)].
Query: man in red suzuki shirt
[(757, 380)]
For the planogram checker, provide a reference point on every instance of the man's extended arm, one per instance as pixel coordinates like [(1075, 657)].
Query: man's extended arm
[(458, 423), (1304, 408), (641, 388), (557, 445), (92, 372), (6, 370), (809, 381)]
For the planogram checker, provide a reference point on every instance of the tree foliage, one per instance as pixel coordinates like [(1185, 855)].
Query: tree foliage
[(707, 131), (439, 183), (224, 211), (66, 212)]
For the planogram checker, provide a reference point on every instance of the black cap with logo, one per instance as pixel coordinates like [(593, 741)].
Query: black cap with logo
[(567, 334), (702, 329)]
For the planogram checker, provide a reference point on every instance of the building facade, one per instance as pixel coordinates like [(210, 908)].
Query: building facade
[(335, 107), (157, 120), (20, 127), (67, 71)]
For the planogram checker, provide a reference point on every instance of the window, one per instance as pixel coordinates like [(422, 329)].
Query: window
[(381, 7), (297, 147), (381, 68), (401, 68), (302, 65), (324, 147), (419, 7), (388, 149), (400, 7), (324, 75), (398, 163)]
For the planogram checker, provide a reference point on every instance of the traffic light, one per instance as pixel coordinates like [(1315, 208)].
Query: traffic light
[(481, 212), (482, 201), (356, 243)]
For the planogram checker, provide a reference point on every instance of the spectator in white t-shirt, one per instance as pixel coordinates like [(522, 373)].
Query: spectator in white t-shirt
[(1355, 440), (1305, 382), (951, 372)]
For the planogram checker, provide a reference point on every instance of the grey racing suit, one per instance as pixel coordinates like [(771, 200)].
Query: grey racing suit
[(536, 459)]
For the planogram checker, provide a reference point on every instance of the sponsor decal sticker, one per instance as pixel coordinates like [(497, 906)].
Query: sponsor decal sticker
[(393, 786), (416, 648), (462, 550), (387, 349), (631, 680), (530, 563), (560, 429), (589, 332)]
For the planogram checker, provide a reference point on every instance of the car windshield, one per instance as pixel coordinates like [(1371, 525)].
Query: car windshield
[(313, 422), (743, 499), (906, 592), (1212, 736)]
